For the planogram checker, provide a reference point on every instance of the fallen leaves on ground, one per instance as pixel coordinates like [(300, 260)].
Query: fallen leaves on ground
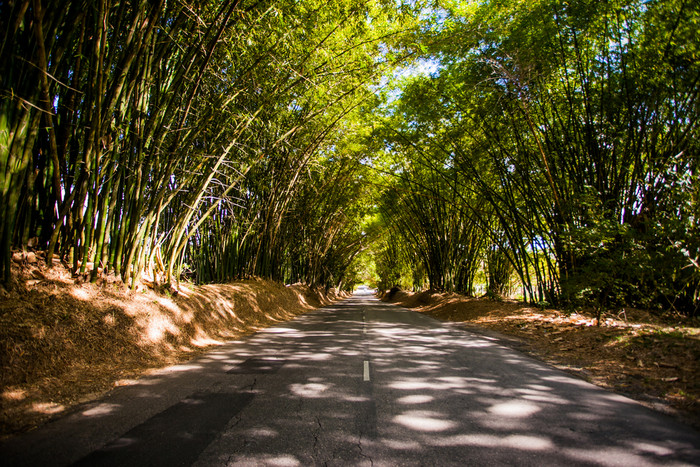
[(64, 341)]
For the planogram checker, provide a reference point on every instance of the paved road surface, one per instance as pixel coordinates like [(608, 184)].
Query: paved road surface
[(360, 383)]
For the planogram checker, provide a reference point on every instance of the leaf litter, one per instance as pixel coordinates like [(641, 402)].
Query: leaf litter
[(65, 341)]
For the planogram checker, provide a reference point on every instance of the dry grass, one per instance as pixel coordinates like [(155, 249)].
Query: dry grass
[(653, 359), (63, 342)]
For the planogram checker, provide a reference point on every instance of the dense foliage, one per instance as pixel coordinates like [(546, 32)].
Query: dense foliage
[(562, 138), (195, 137), (550, 149)]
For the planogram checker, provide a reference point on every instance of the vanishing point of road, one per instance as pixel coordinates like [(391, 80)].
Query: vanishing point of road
[(359, 383)]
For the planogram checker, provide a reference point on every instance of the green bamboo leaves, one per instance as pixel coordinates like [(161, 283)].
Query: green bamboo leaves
[(152, 139), (567, 133)]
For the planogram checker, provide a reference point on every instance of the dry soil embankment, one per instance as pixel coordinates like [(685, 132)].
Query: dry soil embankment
[(63, 342)]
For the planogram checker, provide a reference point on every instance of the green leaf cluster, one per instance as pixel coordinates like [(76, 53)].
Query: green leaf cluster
[(567, 134)]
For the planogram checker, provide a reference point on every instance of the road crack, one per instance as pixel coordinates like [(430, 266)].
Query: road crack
[(362, 453), (316, 433), (251, 386), (315, 450)]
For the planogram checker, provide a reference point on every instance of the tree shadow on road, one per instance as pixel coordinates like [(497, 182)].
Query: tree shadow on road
[(297, 394)]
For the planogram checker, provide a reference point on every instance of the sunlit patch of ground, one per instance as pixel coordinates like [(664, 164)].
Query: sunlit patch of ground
[(64, 341), (653, 359)]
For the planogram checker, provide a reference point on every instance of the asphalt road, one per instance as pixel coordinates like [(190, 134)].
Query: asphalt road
[(360, 383)]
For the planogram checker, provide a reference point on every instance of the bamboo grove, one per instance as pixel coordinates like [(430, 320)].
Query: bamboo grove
[(550, 150), (174, 137), (553, 149)]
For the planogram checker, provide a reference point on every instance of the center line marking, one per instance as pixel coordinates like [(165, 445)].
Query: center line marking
[(365, 375)]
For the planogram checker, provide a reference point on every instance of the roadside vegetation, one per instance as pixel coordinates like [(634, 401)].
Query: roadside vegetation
[(551, 154), (545, 182), (539, 151), (203, 140)]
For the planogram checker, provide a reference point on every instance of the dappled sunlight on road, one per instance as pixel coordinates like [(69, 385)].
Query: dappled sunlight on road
[(514, 409), (100, 410), (363, 383), (415, 399), (432, 387), (421, 420)]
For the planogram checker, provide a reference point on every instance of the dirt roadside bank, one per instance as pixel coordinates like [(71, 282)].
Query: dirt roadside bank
[(63, 342)]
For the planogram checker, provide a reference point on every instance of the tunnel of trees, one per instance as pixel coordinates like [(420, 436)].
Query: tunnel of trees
[(541, 149)]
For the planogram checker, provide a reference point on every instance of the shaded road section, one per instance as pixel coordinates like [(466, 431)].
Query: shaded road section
[(360, 383)]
